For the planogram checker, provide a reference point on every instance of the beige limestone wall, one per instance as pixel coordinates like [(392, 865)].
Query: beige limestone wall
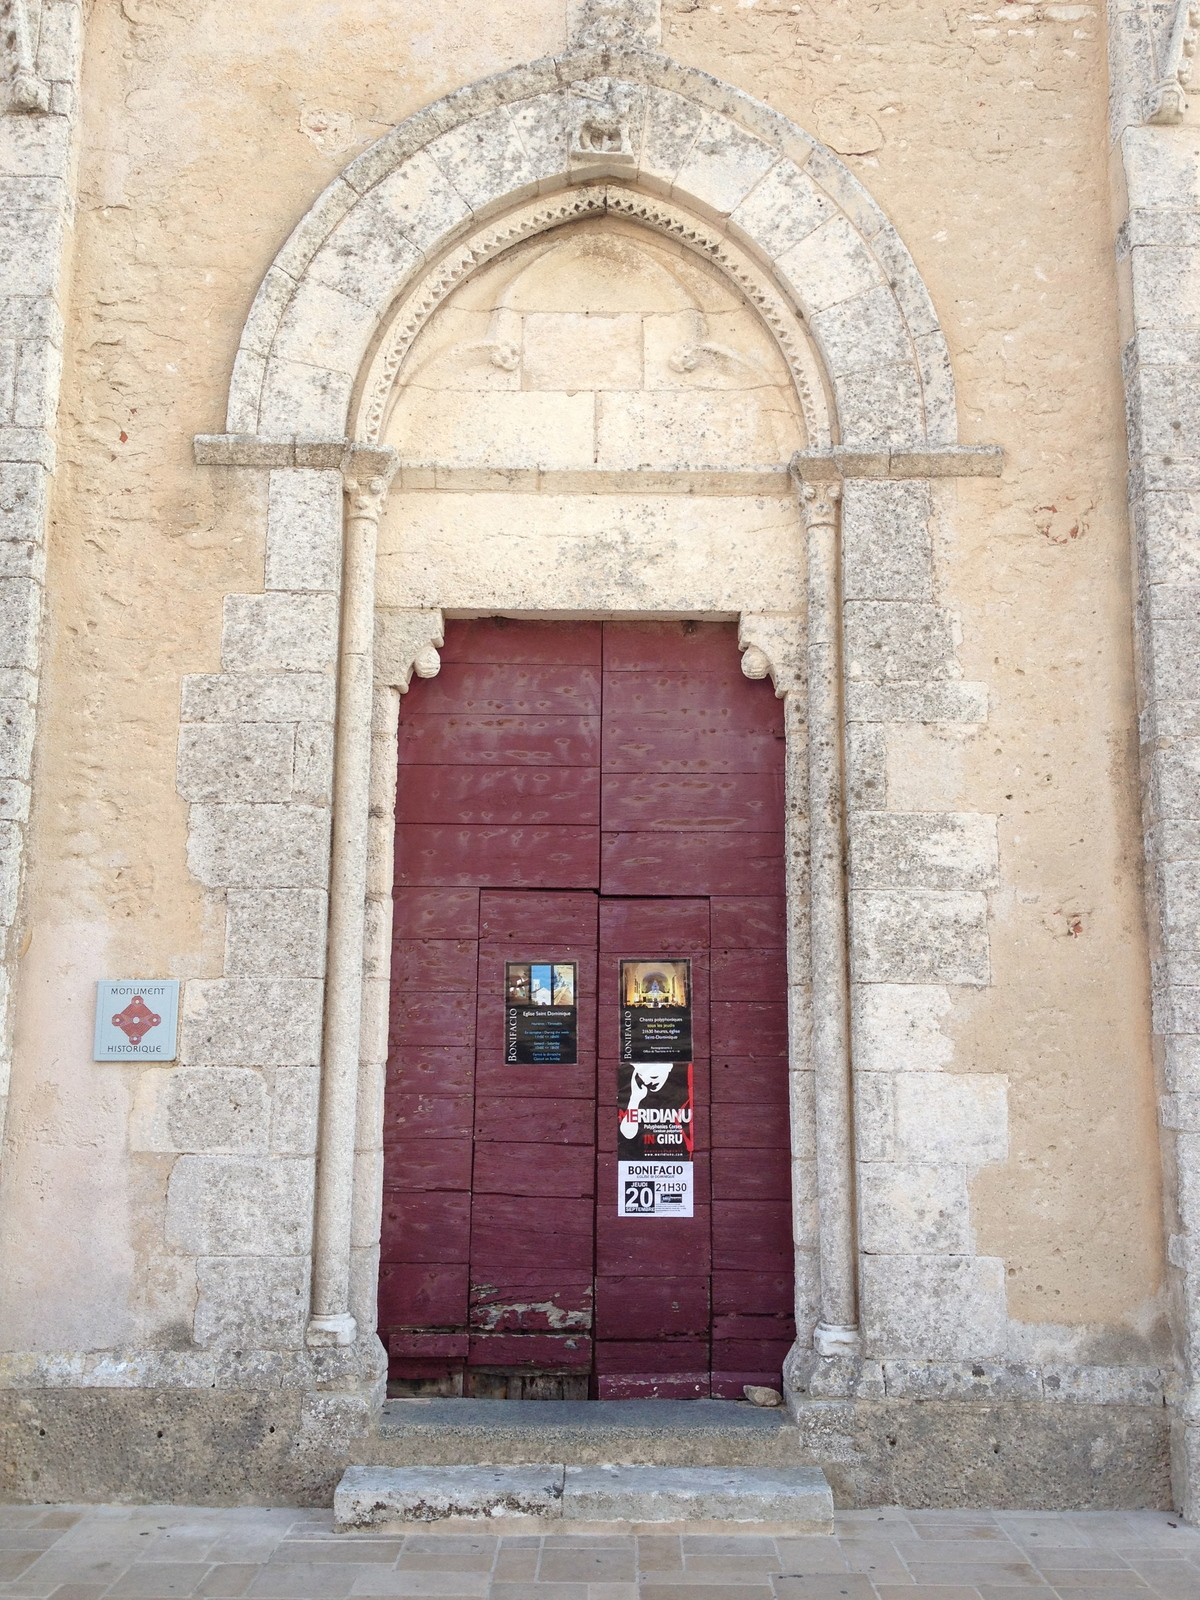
[(208, 131), (981, 130), (205, 136)]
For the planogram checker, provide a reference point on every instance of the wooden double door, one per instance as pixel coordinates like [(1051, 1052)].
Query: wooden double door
[(584, 793)]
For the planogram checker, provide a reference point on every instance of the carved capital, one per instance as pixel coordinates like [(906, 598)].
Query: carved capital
[(366, 496), (366, 476), (819, 504), (406, 644), (26, 91), (1167, 101), (773, 647)]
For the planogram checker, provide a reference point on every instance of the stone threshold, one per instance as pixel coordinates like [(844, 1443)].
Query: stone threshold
[(688, 1418), (521, 1415), (668, 1433)]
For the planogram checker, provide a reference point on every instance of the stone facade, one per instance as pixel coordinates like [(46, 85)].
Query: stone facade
[(594, 287)]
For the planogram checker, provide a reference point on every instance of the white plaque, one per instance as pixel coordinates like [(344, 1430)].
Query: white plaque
[(137, 1019)]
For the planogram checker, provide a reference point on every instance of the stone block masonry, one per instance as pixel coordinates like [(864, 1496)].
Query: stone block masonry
[(255, 759), (918, 889), (39, 78), (1159, 262)]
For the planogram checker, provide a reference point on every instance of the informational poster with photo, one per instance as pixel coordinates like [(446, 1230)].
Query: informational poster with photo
[(541, 1015), (655, 1091), (656, 1010)]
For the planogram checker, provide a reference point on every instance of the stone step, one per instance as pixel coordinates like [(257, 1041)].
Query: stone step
[(686, 1494), (796, 1496), (677, 1433), (369, 1496)]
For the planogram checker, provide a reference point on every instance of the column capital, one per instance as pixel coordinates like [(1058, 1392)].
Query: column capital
[(1166, 103), (819, 503), (367, 474)]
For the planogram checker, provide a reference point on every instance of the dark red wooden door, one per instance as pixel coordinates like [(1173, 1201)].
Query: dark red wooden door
[(584, 792), (653, 1275)]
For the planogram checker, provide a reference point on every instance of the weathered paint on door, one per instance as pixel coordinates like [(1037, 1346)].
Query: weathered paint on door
[(585, 792)]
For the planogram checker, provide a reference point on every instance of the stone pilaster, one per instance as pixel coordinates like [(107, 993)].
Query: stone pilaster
[(916, 892), (39, 74), (773, 646), (1158, 259)]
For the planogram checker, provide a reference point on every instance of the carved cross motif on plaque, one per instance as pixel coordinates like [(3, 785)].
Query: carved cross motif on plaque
[(136, 1020)]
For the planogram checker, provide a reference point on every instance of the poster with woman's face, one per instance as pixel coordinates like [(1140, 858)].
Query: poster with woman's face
[(655, 1139), (655, 1090)]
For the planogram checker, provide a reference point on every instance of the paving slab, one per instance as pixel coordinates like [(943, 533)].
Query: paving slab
[(561, 1559)]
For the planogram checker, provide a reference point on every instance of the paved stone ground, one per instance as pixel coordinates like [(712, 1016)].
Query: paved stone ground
[(162, 1553)]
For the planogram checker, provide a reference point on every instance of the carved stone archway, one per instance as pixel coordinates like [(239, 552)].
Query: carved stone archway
[(622, 132), (744, 173)]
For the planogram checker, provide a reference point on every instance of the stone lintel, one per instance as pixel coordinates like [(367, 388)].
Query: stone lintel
[(952, 461), (249, 450), (938, 461), (321, 455), (770, 479)]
